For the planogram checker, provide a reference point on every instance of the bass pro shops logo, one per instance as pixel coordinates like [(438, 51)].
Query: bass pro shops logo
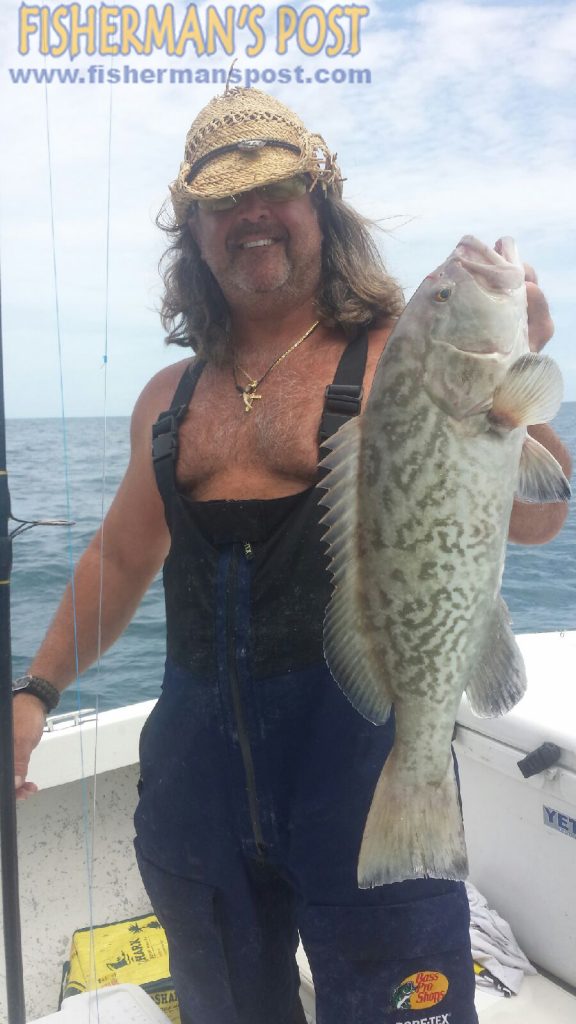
[(420, 991)]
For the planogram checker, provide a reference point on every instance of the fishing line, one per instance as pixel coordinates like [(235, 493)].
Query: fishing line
[(88, 827), (102, 510)]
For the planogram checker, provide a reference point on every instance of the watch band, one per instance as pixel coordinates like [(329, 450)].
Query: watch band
[(40, 688)]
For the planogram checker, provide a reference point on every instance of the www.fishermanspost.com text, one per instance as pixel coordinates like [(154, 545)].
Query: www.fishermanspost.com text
[(126, 74)]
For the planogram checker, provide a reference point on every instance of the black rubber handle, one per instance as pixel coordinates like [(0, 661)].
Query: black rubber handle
[(540, 759)]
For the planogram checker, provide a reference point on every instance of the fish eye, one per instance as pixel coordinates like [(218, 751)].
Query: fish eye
[(443, 295)]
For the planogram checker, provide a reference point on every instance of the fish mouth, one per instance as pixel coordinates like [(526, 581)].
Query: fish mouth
[(497, 271)]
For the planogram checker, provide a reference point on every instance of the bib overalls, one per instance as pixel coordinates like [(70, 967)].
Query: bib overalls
[(257, 775)]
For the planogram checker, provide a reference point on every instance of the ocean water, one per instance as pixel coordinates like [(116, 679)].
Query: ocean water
[(539, 582)]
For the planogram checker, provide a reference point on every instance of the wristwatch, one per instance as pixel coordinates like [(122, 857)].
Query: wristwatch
[(40, 688)]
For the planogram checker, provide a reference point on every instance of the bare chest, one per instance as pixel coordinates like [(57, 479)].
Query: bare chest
[(270, 450), (230, 451)]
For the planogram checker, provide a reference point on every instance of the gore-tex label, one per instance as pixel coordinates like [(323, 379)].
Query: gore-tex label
[(442, 1018), (560, 822)]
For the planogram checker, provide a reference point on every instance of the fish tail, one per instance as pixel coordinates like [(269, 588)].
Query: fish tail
[(412, 830)]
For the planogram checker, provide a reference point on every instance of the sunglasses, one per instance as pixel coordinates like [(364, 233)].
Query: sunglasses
[(277, 192)]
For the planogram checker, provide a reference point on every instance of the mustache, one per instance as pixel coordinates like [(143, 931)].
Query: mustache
[(244, 232)]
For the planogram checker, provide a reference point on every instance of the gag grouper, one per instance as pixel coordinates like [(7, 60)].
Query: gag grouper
[(419, 492)]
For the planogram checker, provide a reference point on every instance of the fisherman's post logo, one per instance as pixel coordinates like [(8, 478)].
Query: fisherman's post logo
[(420, 991)]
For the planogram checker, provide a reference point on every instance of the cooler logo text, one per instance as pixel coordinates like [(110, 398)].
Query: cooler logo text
[(559, 822), (420, 991)]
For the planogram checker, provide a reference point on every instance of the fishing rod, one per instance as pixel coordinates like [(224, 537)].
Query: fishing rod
[(8, 824), (8, 827), (8, 834)]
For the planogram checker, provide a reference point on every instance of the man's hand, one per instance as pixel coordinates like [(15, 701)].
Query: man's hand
[(532, 523), (29, 717), (540, 323)]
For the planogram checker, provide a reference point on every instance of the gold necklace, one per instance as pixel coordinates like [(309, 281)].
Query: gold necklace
[(248, 392)]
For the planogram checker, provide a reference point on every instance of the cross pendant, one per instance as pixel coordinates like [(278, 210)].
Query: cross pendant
[(249, 396)]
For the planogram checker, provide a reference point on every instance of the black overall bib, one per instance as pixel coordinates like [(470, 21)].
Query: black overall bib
[(257, 775)]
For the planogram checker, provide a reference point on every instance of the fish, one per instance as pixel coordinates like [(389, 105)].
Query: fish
[(419, 492)]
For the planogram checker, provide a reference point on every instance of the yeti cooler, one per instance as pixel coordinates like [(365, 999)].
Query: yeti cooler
[(521, 831)]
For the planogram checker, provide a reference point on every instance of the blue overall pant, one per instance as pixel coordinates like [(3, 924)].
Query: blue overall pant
[(256, 779)]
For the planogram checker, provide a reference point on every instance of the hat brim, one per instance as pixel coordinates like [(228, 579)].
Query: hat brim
[(237, 172), (240, 171)]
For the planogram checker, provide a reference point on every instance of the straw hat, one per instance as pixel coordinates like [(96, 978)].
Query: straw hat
[(244, 139)]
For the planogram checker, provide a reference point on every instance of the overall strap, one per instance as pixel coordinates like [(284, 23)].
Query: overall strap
[(343, 398), (165, 431)]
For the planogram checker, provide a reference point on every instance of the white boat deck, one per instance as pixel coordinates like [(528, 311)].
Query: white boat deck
[(53, 874), (538, 1002)]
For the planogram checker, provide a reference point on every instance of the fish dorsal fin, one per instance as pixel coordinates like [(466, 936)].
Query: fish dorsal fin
[(345, 647), (540, 475), (499, 678), (531, 392)]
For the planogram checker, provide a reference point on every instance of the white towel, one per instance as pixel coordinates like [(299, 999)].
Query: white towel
[(493, 943)]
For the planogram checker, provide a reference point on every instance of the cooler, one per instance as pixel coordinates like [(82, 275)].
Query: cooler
[(521, 832)]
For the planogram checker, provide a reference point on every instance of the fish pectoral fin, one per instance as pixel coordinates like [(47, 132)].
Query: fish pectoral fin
[(540, 478), (498, 680), (531, 392), (346, 648)]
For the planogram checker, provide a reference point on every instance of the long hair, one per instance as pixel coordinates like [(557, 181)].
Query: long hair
[(355, 290)]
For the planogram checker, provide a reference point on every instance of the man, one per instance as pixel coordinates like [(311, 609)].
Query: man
[(256, 773)]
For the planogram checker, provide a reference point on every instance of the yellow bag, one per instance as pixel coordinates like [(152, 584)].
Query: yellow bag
[(134, 951)]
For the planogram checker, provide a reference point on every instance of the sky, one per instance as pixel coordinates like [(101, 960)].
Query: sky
[(463, 123)]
